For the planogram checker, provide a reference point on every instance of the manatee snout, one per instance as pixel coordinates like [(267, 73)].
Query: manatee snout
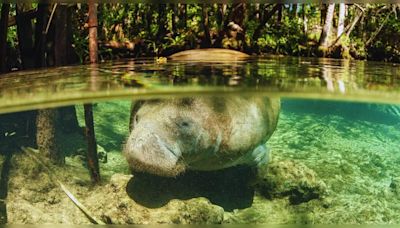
[(148, 150)]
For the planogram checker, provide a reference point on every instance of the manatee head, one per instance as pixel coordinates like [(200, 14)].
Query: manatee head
[(167, 134)]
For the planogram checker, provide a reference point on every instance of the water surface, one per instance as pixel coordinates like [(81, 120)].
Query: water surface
[(334, 154), (274, 76)]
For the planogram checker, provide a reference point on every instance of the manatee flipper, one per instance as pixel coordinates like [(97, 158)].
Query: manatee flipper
[(259, 156)]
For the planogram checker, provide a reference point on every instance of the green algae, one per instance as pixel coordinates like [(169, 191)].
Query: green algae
[(353, 166), (357, 159), (289, 179)]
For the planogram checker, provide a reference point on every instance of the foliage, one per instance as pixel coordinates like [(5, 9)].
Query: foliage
[(387, 47), (12, 36), (285, 38), (162, 29)]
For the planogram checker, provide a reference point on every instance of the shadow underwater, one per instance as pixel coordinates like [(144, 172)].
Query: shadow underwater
[(229, 188)]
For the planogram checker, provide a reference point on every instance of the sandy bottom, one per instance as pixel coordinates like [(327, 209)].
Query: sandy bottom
[(358, 161)]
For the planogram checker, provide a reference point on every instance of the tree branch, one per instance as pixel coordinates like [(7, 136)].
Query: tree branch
[(349, 28), (378, 30)]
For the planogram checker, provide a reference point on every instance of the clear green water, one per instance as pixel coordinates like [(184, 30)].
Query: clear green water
[(335, 153)]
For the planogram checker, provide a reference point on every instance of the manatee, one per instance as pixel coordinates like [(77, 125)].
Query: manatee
[(169, 136), (209, 55)]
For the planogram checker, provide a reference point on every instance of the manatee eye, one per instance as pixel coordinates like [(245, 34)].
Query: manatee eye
[(185, 124), (136, 119)]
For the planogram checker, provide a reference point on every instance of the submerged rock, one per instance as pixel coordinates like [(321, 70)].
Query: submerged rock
[(124, 210), (102, 154), (289, 179)]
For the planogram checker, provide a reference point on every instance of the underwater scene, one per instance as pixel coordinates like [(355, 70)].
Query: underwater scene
[(272, 140)]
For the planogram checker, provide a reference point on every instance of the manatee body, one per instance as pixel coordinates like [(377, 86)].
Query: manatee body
[(201, 133), (209, 55)]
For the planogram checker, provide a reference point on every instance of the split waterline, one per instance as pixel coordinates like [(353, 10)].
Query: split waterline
[(334, 156), (310, 78)]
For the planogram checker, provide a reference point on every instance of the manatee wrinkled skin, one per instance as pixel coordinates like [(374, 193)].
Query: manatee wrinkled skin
[(201, 133)]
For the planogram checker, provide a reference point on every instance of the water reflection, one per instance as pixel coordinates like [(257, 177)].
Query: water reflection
[(287, 75)]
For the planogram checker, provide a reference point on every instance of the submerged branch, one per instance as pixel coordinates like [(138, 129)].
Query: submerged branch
[(80, 205), (31, 153), (91, 155), (51, 17)]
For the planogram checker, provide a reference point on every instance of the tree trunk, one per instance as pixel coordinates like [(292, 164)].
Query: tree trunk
[(206, 29), (294, 10), (71, 54), (326, 31), (257, 15), (62, 56), (40, 34), (349, 28), (361, 29), (93, 32), (5, 9), (279, 18), (220, 16), (305, 20), (46, 135), (61, 44), (342, 14), (149, 19), (183, 15), (263, 11), (136, 18), (92, 158), (162, 21), (238, 14), (175, 18), (25, 36), (323, 14), (267, 16)]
